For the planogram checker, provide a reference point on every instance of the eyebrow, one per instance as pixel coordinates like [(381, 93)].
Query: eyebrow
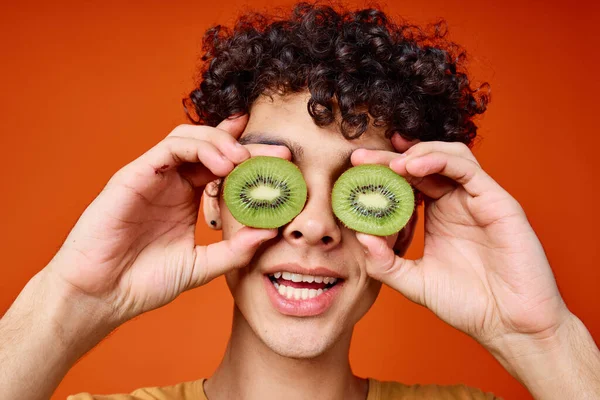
[(296, 149)]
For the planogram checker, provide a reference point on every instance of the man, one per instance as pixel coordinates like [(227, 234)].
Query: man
[(341, 86)]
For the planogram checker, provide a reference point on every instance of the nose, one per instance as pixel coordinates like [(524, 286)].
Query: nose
[(316, 225)]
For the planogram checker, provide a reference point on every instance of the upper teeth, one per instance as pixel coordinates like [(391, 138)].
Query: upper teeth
[(288, 276)]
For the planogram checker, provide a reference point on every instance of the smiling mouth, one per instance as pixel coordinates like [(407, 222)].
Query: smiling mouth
[(300, 286)]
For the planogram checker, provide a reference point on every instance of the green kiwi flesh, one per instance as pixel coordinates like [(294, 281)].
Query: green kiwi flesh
[(265, 192), (373, 199)]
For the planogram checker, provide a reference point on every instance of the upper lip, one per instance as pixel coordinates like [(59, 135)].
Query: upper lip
[(299, 269)]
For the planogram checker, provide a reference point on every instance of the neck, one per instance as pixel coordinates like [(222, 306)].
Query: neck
[(251, 370)]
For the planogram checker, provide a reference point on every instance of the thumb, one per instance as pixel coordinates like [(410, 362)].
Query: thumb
[(400, 274), (234, 125), (218, 258)]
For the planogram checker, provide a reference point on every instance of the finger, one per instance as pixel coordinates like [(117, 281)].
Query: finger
[(269, 150), (228, 146), (218, 258), (433, 186), (365, 156), (401, 144), (209, 156), (234, 125), (223, 140), (398, 273), (461, 170), (173, 151), (455, 148), (198, 175), (230, 127)]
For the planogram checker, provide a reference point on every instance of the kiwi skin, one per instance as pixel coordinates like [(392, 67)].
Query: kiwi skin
[(373, 178), (264, 171)]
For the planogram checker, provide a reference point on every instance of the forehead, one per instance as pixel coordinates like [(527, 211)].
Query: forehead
[(286, 117)]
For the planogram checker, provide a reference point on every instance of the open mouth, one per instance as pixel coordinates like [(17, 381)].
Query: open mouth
[(300, 286)]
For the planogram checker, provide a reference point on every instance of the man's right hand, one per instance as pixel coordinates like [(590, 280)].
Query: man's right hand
[(133, 249)]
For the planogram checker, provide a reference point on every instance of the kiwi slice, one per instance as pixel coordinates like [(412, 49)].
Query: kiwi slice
[(373, 199), (265, 192)]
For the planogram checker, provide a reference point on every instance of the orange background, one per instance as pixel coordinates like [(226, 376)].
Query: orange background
[(88, 86)]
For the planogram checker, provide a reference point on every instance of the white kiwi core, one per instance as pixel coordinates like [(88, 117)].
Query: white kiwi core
[(265, 193), (373, 200)]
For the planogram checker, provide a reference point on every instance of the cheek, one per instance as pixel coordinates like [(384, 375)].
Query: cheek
[(372, 293), (236, 278), (232, 278), (229, 224)]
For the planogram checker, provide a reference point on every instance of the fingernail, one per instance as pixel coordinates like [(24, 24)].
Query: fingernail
[(241, 151), (273, 234), (365, 248)]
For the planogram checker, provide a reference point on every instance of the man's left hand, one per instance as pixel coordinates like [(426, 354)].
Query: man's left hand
[(484, 270)]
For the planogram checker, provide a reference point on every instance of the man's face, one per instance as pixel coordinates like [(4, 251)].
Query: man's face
[(314, 244)]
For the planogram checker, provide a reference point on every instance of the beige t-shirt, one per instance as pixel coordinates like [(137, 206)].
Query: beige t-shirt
[(377, 391)]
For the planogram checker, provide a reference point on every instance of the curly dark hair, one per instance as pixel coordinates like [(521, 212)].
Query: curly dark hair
[(403, 77)]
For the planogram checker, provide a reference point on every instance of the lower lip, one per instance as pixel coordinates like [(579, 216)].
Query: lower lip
[(302, 308)]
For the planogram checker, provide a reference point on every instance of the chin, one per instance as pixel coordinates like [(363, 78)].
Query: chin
[(299, 339)]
